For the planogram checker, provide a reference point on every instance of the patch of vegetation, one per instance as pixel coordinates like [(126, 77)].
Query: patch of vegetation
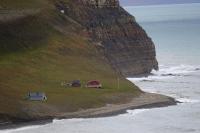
[(36, 57), (23, 35), (22, 4)]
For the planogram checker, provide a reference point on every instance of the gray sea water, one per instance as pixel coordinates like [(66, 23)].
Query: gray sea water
[(175, 29)]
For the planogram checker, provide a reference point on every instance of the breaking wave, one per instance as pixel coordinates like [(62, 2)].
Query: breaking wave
[(167, 72), (20, 129), (187, 100)]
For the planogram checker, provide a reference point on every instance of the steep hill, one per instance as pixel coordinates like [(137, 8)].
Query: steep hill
[(125, 44), (41, 49), (43, 43)]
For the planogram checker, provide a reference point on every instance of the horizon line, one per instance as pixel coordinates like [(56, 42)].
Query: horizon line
[(159, 4)]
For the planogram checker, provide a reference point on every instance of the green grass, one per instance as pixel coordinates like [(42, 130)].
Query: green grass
[(22, 4), (23, 35), (36, 57)]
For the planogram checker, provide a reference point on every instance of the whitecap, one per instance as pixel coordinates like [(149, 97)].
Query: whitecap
[(134, 112), (167, 72), (187, 100), (176, 70), (20, 129)]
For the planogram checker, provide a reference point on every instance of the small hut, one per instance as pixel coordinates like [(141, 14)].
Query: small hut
[(76, 83), (94, 84), (36, 96)]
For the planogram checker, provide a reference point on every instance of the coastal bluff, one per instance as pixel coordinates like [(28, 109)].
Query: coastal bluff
[(122, 41), (44, 43), (102, 3), (120, 38)]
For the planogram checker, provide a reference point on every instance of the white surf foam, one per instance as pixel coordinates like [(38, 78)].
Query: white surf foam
[(167, 72), (176, 70), (187, 100), (71, 120), (134, 112), (19, 129)]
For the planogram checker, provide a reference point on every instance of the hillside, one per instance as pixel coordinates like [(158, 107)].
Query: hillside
[(123, 41), (39, 48), (45, 43)]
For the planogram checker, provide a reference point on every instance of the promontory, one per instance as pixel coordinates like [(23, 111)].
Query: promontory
[(45, 45)]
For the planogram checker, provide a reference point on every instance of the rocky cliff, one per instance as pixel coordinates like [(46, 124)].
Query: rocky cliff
[(117, 35), (45, 43), (42, 48)]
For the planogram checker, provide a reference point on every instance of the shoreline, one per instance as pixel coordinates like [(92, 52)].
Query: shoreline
[(144, 101)]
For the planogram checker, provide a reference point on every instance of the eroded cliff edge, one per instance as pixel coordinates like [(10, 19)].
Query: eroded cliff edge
[(117, 35), (43, 43)]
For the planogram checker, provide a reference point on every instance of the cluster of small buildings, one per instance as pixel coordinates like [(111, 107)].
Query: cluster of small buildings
[(41, 96)]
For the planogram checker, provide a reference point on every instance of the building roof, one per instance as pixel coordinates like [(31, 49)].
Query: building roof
[(36, 96), (93, 81)]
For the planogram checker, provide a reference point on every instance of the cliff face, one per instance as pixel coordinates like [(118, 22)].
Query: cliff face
[(42, 49), (102, 3), (124, 43)]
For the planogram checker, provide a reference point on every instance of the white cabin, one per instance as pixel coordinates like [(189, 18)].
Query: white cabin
[(37, 96)]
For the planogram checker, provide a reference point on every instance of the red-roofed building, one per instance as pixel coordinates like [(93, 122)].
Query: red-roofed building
[(94, 84)]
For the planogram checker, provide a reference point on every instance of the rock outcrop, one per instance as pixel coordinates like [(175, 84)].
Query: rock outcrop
[(102, 3), (45, 44), (123, 41)]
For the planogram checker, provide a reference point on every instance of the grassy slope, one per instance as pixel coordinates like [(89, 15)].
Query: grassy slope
[(36, 57), (23, 4)]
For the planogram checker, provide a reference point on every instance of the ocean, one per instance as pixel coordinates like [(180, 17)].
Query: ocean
[(175, 30)]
